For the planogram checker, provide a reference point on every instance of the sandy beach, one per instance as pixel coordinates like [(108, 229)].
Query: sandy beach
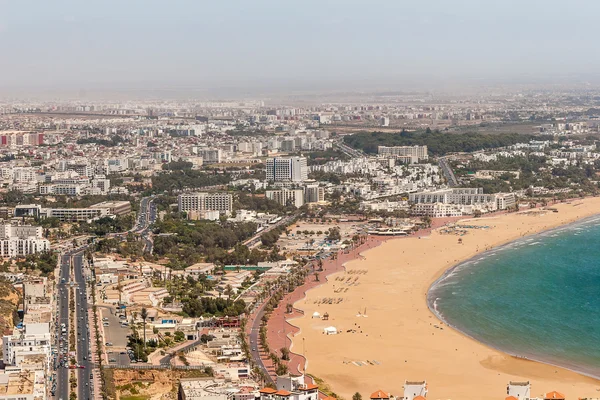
[(398, 335)]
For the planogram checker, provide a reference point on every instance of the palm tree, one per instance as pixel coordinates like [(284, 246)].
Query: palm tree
[(144, 315), (228, 291)]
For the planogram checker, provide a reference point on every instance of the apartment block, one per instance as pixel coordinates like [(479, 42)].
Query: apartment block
[(287, 169), (114, 207), (414, 153), (222, 202), (314, 194), (21, 240), (287, 197)]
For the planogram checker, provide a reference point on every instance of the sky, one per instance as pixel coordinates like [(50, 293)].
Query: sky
[(346, 44)]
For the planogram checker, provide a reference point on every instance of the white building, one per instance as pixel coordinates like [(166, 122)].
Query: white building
[(290, 387), (21, 240), (287, 169), (285, 197), (209, 156), (75, 214), (519, 390), (416, 389), (64, 189), (437, 210), (417, 152), (32, 339), (222, 202), (314, 194), (458, 201)]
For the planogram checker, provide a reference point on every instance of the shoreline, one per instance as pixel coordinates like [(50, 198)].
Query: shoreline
[(432, 306), (511, 366)]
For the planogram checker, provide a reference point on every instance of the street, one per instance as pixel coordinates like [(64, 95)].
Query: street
[(83, 328), (83, 353), (61, 341), (254, 341)]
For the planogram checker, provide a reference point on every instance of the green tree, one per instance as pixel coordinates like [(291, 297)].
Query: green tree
[(144, 315)]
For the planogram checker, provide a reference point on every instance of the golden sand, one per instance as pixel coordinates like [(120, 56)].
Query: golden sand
[(399, 332)]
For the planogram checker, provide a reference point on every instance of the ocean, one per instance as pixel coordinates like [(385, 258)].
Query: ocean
[(537, 297)]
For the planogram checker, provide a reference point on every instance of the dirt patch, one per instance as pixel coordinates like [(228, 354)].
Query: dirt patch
[(149, 384)]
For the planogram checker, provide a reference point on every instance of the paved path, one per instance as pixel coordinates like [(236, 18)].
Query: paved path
[(280, 330)]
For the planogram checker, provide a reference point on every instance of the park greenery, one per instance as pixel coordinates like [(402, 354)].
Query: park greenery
[(130, 247), (322, 157), (105, 225), (186, 242), (252, 202), (533, 172), (437, 143), (177, 165), (177, 180), (44, 262)]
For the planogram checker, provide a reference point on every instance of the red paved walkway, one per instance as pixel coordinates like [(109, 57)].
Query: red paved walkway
[(280, 331)]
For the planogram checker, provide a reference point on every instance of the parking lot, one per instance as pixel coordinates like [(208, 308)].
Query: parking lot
[(113, 333)]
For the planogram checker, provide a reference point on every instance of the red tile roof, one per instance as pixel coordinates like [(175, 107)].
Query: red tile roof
[(380, 394), (283, 393), (309, 386), (267, 390), (554, 395)]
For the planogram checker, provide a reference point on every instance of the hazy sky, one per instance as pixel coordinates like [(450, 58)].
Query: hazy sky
[(250, 43)]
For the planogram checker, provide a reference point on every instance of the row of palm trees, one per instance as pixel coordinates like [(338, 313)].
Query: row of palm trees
[(273, 292)]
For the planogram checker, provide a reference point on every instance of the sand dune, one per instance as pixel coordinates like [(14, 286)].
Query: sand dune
[(399, 332)]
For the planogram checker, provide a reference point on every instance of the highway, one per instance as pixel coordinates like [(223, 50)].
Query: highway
[(61, 341), (82, 336), (448, 173), (146, 218), (349, 151), (83, 329)]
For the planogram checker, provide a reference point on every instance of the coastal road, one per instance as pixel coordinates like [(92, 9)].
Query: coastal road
[(62, 374), (254, 341), (83, 330)]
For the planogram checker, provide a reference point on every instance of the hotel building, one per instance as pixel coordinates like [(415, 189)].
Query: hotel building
[(221, 202), (287, 169), (409, 154)]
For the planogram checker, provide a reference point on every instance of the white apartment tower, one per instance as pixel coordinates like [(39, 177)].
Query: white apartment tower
[(21, 240), (314, 194), (286, 197), (222, 202), (416, 152), (287, 169)]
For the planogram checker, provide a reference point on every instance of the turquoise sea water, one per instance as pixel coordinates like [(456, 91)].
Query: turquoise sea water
[(538, 297)]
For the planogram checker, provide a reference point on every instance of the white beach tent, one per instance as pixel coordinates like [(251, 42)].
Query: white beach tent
[(316, 315), (330, 330)]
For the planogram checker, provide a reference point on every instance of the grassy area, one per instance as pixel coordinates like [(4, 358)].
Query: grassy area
[(109, 383), (324, 387)]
